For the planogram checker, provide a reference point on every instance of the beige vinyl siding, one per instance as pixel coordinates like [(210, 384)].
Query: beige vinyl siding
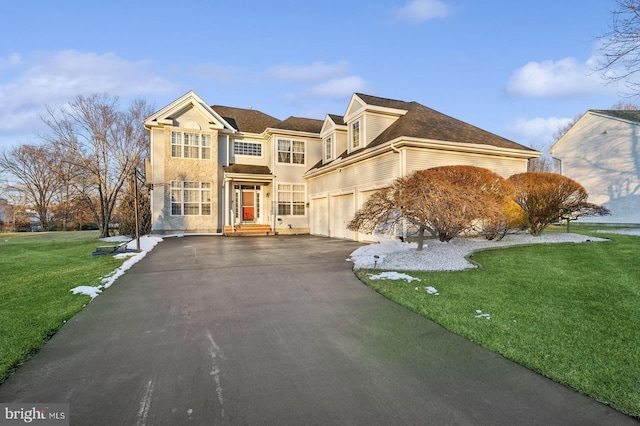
[(380, 168), (340, 142), (254, 160), (504, 166), (191, 116), (376, 124)]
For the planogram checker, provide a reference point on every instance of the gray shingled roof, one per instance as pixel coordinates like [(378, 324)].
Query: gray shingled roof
[(426, 123), (300, 124), (624, 114), (247, 169), (384, 102), (338, 119), (246, 120)]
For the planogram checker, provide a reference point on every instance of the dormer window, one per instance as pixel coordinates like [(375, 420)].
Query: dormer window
[(328, 148), (355, 135)]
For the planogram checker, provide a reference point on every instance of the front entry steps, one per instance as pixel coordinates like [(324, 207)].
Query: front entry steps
[(247, 230)]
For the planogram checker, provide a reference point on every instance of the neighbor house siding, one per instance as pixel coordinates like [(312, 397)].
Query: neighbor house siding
[(603, 155)]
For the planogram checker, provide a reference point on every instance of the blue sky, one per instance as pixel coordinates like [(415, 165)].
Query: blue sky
[(518, 69)]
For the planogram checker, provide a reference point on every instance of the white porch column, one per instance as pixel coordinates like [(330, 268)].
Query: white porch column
[(227, 203)]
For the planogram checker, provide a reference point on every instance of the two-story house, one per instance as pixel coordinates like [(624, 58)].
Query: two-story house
[(223, 169)]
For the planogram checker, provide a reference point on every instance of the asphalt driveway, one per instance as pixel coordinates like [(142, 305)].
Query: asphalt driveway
[(276, 331)]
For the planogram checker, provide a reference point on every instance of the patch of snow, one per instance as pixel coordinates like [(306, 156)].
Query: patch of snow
[(451, 256), (147, 243), (87, 290), (481, 315), (393, 276), (432, 290)]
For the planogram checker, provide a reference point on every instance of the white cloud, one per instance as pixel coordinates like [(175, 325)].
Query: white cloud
[(564, 78), (538, 133), (338, 88), (50, 78), (419, 11), (323, 81), (11, 61)]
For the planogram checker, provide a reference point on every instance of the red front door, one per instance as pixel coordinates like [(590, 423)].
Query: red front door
[(248, 206)]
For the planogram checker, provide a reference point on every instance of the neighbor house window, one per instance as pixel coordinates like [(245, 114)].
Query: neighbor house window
[(190, 198), (290, 151), (252, 149), (190, 145), (291, 199), (328, 149), (557, 166), (355, 135)]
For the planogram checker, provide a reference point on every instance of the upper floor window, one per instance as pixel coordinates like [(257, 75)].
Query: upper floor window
[(253, 149), (328, 148), (190, 145), (190, 198), (290, 151), (355, 135)]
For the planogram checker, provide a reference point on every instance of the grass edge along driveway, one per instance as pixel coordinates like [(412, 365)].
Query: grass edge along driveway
[(37, 272), (567, 311)]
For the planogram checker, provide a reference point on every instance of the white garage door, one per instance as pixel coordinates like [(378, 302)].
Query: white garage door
[(320, 216), (342, 212)]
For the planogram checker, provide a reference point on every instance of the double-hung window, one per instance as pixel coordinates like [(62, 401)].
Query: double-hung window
[(291, 199), (328, 149), (291, 151), (190, 145), (355, 135), (190, 198)]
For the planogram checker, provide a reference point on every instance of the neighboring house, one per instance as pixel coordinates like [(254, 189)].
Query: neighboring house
[(601, 151), (6, 211), (223, 169)]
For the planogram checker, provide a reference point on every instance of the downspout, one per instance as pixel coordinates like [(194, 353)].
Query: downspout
[(401, 169)]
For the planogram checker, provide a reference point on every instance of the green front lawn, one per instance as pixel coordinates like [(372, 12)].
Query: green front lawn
[(568, 311), (37, 270)]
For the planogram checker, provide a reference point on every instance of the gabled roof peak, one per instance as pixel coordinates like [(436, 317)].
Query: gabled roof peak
[(624, 114), (383, 102)]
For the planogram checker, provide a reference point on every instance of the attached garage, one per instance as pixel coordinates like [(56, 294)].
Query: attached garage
[(320, 216), (342, 211)]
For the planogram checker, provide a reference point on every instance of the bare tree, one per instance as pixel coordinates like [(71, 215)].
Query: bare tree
[(103, 141), (621, 45), (34, 169)]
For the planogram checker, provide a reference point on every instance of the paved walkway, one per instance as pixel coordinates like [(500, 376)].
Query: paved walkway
[(277, 331)]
